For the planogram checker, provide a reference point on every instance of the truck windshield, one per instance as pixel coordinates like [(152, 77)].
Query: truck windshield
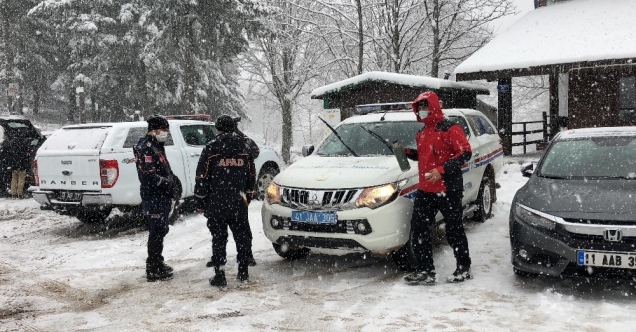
[(364, 144), (591, 158)]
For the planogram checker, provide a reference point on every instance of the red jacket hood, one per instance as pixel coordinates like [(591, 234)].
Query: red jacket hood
[(434, 110)]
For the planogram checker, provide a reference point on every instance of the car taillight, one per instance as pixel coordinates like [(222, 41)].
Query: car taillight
[(109, 172), (35, 173)]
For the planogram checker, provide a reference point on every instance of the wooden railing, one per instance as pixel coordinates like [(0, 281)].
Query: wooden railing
[(547, 134)]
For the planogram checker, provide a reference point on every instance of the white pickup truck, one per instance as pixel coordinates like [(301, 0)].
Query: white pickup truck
[(334, 198), (89, 169)]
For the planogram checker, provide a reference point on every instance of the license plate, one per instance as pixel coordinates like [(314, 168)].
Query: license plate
[(327, 218), (604, 259), (68, 196)]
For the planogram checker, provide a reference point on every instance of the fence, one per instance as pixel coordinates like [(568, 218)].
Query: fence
[(546, 129)]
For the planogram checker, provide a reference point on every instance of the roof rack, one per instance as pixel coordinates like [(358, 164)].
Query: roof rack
[(383, 107)]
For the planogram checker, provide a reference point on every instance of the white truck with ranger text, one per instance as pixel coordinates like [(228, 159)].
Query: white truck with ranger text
[(87, 170)]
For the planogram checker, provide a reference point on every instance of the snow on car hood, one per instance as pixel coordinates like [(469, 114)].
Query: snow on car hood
[(578, 198), (315, 172)]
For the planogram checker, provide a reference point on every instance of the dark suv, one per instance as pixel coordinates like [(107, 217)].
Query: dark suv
[(17, 138), (576, 215)]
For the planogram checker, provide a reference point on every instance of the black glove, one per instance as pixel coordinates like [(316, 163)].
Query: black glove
[(176, 187), (249, 196)]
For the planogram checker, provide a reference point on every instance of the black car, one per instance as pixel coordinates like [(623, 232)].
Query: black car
[(17, 136), (576, 215)]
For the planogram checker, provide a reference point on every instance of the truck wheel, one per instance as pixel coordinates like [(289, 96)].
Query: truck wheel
[(291, 254), (90, 217), (264, 180), (174, 211), (403, 257), (484, 201)]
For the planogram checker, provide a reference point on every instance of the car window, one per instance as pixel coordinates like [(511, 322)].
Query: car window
[(597, 157), (135, 134), (480, 125), (462, 122), (197, 135), (364, 144)]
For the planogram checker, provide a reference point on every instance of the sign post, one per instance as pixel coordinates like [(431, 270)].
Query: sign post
[(82, 107)]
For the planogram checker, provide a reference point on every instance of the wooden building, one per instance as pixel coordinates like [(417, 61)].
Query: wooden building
[(587, 48), (381, 87)]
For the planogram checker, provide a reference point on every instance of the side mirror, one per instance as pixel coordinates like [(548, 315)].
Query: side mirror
[(307, 150), (527, 170)]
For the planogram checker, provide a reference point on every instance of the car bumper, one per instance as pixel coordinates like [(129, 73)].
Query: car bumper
[(88, 200), (388, 228), (554, 253)]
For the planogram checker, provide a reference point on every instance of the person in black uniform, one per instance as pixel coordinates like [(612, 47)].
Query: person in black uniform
[(158, 185), (225, 180)]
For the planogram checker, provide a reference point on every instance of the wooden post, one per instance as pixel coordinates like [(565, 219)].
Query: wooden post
[(524, 138), (504, 113), (554, 103), (545, 127)]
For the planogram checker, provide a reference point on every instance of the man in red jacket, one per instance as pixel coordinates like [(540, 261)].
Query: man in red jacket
[(442, 148)]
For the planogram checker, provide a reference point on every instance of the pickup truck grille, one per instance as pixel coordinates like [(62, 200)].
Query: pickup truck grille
[(304, 199)]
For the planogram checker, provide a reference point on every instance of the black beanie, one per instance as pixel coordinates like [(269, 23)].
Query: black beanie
[(225, 123), (157, 122)]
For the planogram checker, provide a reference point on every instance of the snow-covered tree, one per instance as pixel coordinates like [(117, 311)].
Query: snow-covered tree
[(285, 58)]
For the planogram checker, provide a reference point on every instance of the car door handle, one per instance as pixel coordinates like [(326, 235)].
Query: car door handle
[(195, 154), (476, 154)]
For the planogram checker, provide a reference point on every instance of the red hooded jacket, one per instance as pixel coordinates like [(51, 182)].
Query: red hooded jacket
[(441, 144)]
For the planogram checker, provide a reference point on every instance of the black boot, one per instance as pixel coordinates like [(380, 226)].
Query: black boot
[(157, 273), (210, 263), (219, 277), (243, 275)]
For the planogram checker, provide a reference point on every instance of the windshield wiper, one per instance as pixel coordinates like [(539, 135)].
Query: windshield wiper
[(379, 138), (554, 177), (339, 138)]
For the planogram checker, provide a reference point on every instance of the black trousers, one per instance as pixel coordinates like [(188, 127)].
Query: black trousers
[(240, 228), (156, 211), (425, 208)]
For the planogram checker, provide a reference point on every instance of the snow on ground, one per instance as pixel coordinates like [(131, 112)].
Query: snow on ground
[(57, 275)]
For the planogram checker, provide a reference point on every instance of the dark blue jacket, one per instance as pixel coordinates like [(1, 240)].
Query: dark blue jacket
[(153, 169), (225, 170)]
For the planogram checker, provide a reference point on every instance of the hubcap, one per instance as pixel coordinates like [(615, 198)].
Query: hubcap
[(487, 199)]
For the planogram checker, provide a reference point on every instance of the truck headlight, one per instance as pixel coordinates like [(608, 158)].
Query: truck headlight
[(374, 197), (535, 218), (272, 194)]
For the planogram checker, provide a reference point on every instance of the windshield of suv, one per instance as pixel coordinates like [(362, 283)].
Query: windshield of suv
[(364, 144), (591, 158)]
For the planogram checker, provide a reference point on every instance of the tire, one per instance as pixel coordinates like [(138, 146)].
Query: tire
[(524, 274), (403, 257), (264, 179), (90, 217), (484, 201), (291, 254), (137, 216), (174, 211)]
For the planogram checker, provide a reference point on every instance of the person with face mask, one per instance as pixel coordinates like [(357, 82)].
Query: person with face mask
[(158, 185), (442, 148)]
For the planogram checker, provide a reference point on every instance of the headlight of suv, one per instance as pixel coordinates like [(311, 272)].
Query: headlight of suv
[(272, 194), (374, 197), (534, 217)]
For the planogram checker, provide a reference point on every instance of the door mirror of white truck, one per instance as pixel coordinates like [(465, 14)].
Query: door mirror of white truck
[(307, 150)]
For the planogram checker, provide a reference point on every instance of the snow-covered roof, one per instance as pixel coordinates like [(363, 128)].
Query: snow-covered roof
[(574, 31), (402, 79)]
